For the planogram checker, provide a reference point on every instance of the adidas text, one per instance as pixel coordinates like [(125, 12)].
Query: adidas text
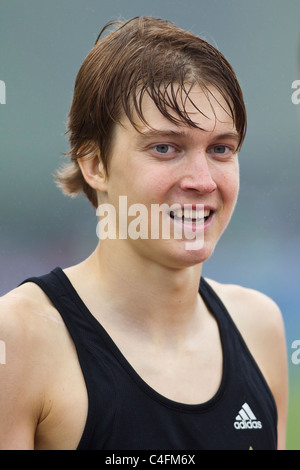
[(248, 425)]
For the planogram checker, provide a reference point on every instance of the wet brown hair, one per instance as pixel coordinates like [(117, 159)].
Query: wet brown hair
[(142, 55)]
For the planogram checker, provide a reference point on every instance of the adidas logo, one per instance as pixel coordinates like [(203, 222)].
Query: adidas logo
[(246, 419)]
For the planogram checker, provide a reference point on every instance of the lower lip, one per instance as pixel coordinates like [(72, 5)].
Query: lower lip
[(194, 227)]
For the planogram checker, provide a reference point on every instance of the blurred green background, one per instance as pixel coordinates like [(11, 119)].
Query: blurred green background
[(42, 45)]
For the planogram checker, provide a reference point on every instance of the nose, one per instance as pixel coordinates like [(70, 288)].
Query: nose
[(197, 175)]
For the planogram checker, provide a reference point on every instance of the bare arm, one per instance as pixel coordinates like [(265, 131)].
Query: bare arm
[(41, 382), (20, 386)]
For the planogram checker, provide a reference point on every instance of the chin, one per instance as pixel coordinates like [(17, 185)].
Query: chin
[(173, 254), (182, 256), (191, 258)]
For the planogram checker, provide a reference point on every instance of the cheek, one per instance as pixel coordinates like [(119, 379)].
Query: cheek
[(141, 185), (229, 186), (151, 184)]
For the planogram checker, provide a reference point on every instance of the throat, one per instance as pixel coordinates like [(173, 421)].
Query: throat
[(141, 296), (166, 320)]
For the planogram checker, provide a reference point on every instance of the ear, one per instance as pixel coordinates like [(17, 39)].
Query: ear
[(93, 172)]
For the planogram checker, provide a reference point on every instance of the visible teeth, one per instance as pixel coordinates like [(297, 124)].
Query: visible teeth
[(191, 214)]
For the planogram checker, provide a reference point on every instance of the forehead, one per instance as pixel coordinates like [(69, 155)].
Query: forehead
[(206, 109)]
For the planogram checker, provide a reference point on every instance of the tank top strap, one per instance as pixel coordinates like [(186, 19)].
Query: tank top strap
[(232, 341), (57, 292), (65, 299)]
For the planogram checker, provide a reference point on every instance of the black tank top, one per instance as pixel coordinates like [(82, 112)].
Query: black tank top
[(125, 413)]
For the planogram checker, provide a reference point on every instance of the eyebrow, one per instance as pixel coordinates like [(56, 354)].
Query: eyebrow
[(183, 134)]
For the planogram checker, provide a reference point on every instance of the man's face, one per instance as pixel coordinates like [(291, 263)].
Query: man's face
[(171, 164)]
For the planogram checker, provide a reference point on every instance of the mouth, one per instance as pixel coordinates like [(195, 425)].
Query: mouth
[(191, 216)]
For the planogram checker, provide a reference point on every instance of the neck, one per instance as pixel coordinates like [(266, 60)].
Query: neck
[(139, 293)]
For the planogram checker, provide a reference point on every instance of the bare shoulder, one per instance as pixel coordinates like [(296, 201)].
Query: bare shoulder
[(250, 309), (260, 322), (26, 297), (28, 324), (26, 314)]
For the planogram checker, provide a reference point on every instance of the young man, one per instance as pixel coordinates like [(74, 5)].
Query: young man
[(124, 350)]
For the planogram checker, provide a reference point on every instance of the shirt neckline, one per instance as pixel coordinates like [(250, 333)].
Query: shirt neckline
[(215, 307)]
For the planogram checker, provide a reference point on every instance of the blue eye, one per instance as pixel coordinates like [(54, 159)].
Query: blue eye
[(162, 148), (220, 149)]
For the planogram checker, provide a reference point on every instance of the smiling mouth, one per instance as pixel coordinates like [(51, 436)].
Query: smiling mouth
[(191, 216)]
